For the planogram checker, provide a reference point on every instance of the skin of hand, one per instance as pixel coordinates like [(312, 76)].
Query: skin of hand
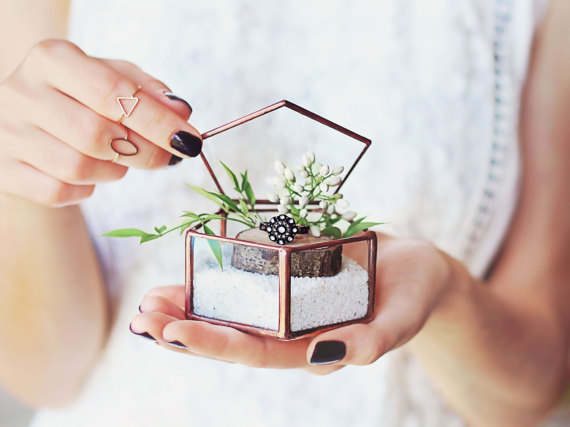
[(58, 112), (413, 277)]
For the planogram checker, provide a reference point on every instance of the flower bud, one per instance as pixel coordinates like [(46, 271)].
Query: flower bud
[(330, 209), (298, 187), (283, 193), (337, 170), (315, 231), (283, 209), (349, 215), (324, 187), (303, 213), (303, 201), (333, 181), (279, 166), (342, 205), (303, 173), (311, 156), (285, 200), (272, 197), (324, 170), (289, 174), (323, 204), (306, 161), (278, 181)]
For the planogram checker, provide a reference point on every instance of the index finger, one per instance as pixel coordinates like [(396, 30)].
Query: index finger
[(93, 83)]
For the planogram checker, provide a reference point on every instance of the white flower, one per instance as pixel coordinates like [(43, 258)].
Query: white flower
[(306, 161), (285, 200), (324, 187), (303, 213), (324, 170), (333, 181), (282, 209), (323, 204), (283, 193), (298, 187), (289, 174), (278, 181), (311, 156), (272, 197), (337, 170), (303, 173), (349, 215), (279, 166), (315, 231), (303, 201), (342, 205), (330, 209)]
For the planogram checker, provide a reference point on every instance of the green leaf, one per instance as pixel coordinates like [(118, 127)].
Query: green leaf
[(231, 175), (244, 180), (160, 230), (358, 226), (191, 215), (147, 237), (214, 246), (126, 232), (219, 199), (243, 206), (332, 231), (250, 195)]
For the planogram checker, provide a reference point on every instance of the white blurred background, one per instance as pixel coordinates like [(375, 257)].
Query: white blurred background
[(12, 413)]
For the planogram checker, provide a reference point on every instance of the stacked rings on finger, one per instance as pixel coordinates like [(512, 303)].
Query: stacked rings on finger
[(122, 146)]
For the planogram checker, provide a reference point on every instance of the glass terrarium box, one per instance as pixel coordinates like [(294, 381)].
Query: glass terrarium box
[(288, 269)]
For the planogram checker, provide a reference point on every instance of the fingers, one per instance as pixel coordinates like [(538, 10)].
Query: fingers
[(157, 89), (96, 85), (173, 293), (160, 304), (229, 344), (81, 128), (23, 180)]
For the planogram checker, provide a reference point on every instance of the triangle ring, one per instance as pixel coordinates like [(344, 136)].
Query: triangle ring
[(128, 104)]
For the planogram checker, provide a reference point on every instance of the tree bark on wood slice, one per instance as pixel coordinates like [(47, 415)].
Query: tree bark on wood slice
[(320, 262)]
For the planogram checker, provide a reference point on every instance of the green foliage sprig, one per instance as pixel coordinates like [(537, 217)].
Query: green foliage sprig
[(308, 197)]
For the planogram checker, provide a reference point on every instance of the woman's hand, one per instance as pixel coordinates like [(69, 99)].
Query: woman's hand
[(58, 112), (412, 280)]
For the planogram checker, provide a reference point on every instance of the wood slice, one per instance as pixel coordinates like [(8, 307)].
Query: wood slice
[(320, 262)]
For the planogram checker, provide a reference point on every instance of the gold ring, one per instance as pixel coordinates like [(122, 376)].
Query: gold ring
[(118, 152), (128, 104)]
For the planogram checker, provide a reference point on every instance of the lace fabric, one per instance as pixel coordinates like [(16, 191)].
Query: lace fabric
[(434, 84)]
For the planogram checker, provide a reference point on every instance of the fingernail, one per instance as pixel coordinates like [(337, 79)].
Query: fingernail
[(173, 97), (140, 311), (143, 334), (186, 143), (328, 352), (174, 160), (177, 344)]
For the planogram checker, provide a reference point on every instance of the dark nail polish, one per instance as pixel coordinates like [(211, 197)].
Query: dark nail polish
[(186, 143), (174, 160), (328, 352), (143, 334), (140, 310), (173, 97), (177, 344)]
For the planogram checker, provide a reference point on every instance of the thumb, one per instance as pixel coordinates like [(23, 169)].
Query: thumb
[(357, 344)]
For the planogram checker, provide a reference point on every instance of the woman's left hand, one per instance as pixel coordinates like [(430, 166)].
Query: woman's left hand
[(412, 281)]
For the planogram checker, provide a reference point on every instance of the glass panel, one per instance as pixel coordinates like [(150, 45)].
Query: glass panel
[(323, 301), (233, 294)]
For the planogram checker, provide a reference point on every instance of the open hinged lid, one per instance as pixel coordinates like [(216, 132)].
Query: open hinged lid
[(328, 134)]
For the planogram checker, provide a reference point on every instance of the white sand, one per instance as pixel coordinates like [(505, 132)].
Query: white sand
[(253, 299)]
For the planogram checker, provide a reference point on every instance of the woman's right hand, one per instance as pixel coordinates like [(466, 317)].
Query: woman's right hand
[(58, 112)]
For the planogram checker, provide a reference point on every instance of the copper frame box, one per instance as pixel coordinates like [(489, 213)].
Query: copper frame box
[(284, 331)]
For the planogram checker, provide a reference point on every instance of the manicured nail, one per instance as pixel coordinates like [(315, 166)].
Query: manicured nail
[(140, 311), (177, 344), (186, 143), (173, 97), (174, 160), (328, 352), (143, 334)]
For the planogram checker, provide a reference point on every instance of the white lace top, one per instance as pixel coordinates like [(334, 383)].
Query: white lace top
[(435, 85)]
